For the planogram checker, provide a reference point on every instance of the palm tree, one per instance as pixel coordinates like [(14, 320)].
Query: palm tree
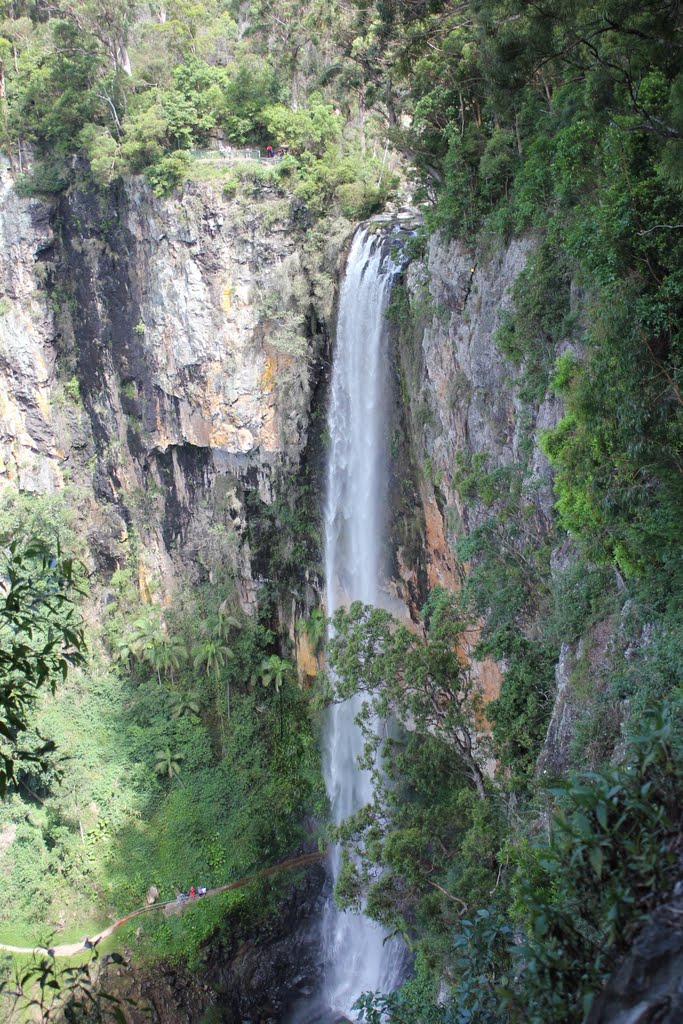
[(276, 670), (225, 622), (138, 641), (168, 763), (212, 653), (123, 650), (132, 643), (185, 704), (166, 654)]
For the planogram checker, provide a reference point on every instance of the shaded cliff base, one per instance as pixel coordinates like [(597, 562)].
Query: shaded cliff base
[(254, 975)]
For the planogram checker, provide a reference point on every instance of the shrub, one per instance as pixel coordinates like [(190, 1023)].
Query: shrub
[(168, 172), (46, 178), (611, 855)]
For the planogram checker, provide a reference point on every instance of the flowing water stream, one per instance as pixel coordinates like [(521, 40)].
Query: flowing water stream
[(355, 955)]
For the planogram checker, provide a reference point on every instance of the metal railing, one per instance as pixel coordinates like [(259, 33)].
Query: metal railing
[(230, 153)]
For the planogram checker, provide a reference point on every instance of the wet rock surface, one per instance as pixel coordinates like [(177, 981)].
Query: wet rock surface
[(463, 403)]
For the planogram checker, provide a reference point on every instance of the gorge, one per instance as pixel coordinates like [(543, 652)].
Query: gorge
[(340, 499)]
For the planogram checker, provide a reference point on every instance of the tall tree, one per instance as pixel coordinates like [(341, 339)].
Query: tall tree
[(422, 683), (41, 637)]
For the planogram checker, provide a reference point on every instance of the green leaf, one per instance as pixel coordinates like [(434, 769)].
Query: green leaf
[(596, 860), (601, 814)]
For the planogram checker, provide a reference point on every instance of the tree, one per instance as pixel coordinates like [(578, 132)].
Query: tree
[(291, 29), (168, 763), (423, 683), (315, 627), (186, 704), (41, 637), (276, 670), (213, 653), (307, 130), (166, 654), (109, 23), (42, 990), (148, 640)]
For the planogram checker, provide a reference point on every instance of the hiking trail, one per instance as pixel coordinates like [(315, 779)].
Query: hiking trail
[(71, 948)]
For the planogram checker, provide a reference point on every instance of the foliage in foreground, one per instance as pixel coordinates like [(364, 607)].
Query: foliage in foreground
[(567, 904), (41, 636), (45, 991)]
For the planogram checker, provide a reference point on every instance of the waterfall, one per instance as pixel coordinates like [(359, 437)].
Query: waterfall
[(356, 957)]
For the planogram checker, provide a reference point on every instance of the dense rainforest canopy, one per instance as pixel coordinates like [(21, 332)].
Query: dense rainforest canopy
[(560, 121)]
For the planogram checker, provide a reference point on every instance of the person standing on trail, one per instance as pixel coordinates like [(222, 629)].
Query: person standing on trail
[(191, 892)]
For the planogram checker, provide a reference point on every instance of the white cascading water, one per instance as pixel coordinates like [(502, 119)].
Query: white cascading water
[(356, 957)]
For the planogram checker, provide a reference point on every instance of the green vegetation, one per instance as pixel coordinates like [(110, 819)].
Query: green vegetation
[(136, 90), (168, 765), (190, 752), (522, 924), (561, 122), (41, 636), (42, 990)]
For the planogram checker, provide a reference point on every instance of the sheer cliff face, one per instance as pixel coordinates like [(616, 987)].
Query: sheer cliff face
[(162, 357), (30, 454), (159, 355), (467, 385), (463, 403)]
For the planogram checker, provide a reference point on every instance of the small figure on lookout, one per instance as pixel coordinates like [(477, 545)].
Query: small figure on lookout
[(191, 892), (269, 150)]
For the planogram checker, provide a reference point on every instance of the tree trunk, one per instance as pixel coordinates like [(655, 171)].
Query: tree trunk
[(476, 776), (361, 114), (121, 57), (391, 106), (518, 136)]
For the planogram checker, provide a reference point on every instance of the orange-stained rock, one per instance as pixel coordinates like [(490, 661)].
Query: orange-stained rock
[(443, 570), (308, 664), (143, 582)]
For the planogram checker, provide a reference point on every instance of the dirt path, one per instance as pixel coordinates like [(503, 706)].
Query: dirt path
[(71, 948)]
